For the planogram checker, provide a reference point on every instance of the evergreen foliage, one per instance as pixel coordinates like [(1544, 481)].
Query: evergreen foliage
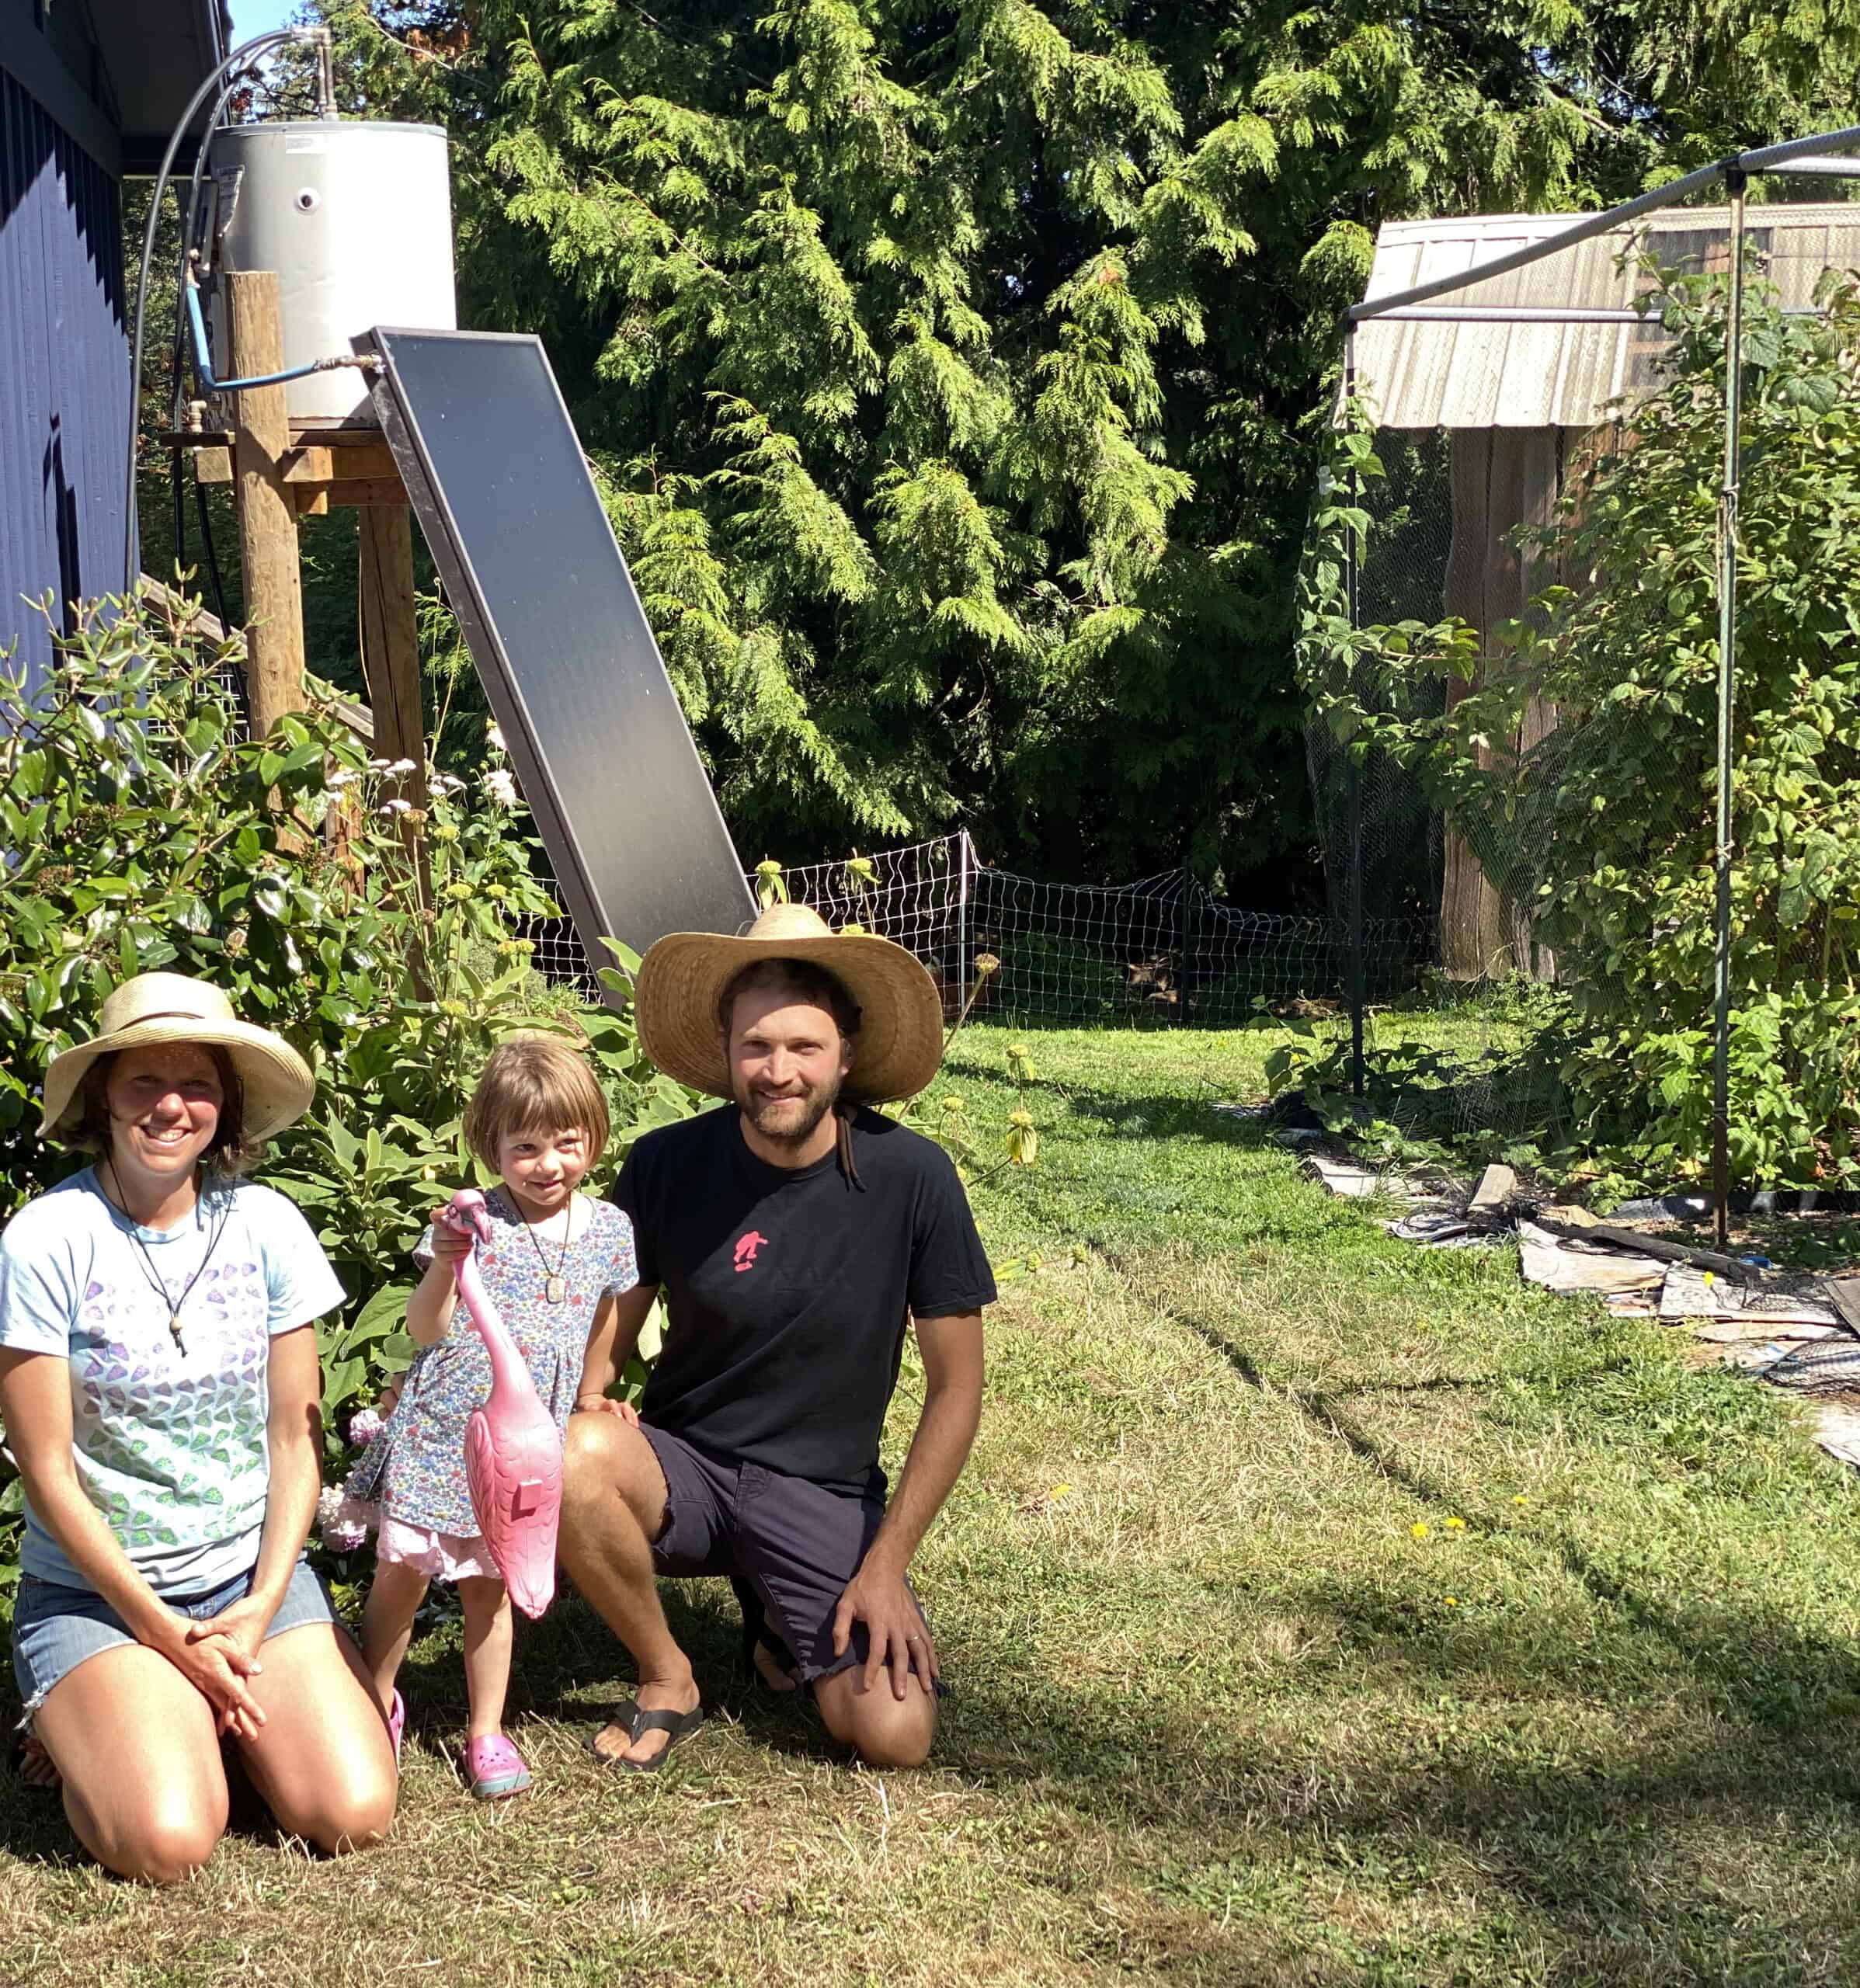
[(951, 370)]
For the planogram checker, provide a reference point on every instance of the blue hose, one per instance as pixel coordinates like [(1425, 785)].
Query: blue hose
[(257, 380)]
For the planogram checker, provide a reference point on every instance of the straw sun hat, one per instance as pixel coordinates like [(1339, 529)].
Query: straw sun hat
[(169, 1007), (900, 1039)]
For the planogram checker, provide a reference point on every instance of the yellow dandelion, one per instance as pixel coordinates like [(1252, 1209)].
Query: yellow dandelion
[(1521, 1500), (1456, 1525), (1421, 1529), (1060, 1491), (1453, 1601)]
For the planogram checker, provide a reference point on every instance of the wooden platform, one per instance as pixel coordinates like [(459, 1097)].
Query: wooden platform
[(323, 467)]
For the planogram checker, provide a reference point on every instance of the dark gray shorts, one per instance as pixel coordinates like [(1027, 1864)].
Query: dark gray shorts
[(797, 1544)]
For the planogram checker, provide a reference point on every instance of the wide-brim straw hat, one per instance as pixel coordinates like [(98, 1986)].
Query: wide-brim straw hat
[(170, 1007), (681, 979)]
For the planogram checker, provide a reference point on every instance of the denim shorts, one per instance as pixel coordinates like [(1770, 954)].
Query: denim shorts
[(56, 1627)]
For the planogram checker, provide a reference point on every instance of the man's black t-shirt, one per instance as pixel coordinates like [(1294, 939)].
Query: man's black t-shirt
[(786, 1291)]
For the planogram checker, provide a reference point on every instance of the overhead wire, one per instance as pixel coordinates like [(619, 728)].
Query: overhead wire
[(245, 52)]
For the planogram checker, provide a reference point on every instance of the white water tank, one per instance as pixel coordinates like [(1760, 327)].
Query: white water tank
[(356, 219)]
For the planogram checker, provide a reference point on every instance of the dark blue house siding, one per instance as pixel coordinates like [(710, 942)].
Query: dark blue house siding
[(64, 376)]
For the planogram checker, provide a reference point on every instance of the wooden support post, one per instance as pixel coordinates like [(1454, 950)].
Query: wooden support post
[(267, 525), (390, 656), (390, 662)]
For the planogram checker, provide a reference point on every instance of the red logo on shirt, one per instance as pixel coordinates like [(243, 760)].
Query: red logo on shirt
[(746, 1248)]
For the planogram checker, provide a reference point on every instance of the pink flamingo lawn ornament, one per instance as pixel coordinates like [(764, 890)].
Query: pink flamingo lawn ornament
[(512, 1446)]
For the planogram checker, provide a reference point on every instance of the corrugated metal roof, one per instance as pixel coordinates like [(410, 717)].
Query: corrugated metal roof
[(1423, 374)]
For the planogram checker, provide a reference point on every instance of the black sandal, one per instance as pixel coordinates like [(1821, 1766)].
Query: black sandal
[(674, 1724)]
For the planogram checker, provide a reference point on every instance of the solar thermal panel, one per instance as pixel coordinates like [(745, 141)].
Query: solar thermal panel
[(502, 492)]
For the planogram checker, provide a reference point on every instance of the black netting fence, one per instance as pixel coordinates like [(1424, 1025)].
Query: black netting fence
[(1163, 951)]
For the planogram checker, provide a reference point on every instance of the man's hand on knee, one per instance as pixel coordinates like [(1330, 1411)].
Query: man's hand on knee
[(900, 1638)]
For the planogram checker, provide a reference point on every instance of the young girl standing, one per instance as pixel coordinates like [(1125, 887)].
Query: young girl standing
[(557, 1260)]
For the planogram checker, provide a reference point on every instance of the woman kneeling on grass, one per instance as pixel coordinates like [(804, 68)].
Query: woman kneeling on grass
[(160, 1390)]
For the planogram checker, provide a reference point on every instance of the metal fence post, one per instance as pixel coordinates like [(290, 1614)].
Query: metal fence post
[(1184, 940), (964, 858), (1353, 778), (1727, 664)]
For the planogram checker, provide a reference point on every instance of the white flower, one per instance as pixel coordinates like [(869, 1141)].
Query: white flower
[(390, 769), (340, 778), (343, 1535), (500, 786), (395, 808), (447, 783), (497, 738)]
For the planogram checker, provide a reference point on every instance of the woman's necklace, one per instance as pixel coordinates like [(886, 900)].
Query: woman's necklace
[(555, 1285), (157, 1282)]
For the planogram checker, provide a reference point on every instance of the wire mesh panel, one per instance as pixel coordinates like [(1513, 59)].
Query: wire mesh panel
[(915, 896), (1161, 951)]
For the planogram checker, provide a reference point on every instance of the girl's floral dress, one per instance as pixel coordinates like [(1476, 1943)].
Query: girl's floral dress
[(410, 1482)]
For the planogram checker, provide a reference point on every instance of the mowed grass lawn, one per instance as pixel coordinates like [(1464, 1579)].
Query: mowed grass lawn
[(1318, 1610)]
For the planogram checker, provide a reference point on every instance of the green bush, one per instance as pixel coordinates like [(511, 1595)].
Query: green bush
[(1611, 815), (143, 832)]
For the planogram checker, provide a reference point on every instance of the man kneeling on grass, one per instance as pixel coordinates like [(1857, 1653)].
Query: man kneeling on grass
[(791, 1233)]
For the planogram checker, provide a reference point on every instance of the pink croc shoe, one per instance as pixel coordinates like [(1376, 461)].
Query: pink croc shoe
[(494, 1768), (396, 1724)]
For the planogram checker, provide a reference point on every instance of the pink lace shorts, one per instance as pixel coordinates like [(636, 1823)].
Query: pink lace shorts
[(444, 1556)]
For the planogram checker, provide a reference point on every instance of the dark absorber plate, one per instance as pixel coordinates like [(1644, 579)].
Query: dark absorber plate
[(600, 748)]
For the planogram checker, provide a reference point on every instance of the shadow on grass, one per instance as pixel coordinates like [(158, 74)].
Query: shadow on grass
[(1717, 1647), (1664, 1856), (570, 1668)]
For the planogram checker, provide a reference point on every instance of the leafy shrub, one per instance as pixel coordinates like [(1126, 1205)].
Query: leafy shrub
[(143, 832), (1612, 814)]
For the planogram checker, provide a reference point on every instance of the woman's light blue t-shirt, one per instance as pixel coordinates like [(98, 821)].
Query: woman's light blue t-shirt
[(170, 1445)]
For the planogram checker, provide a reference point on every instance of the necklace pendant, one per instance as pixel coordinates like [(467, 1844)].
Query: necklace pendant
[(174, 1326), (555, 1289)]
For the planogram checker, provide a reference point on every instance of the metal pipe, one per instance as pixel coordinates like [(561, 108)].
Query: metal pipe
[(1353, 778), (247, 51), (1815, 168), (1512, 313), (1727, 664), (1767, 159), (1517, 258), (964, 857), (1543, 314)]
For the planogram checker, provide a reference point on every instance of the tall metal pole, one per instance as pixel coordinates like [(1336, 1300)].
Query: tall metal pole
[(964, 858), (1352, 776), (1727, 665)]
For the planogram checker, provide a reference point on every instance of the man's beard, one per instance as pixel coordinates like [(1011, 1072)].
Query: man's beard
[(788, 1122)]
